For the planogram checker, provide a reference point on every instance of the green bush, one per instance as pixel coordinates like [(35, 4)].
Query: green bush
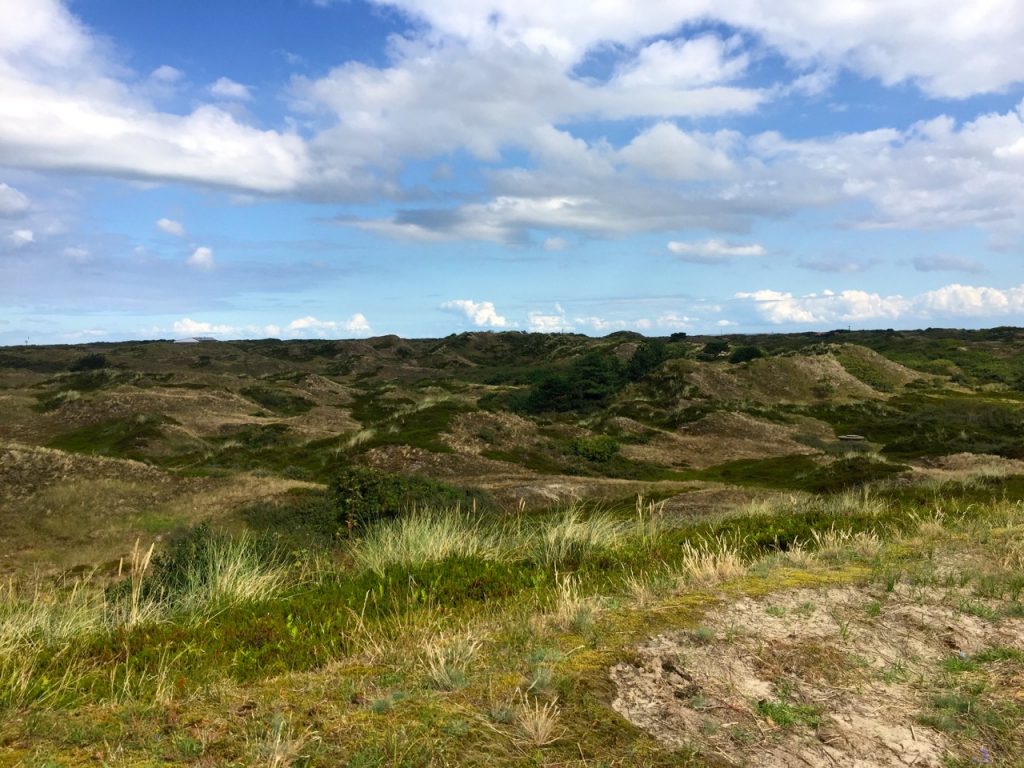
[(745, 354), (91, 362), (363, 495), (279, 401), (599, 448)]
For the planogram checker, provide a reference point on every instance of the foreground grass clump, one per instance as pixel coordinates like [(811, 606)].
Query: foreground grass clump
[(429, 537), (445, 636)]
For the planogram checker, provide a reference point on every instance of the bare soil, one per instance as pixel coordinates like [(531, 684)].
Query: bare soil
[(852, 676)]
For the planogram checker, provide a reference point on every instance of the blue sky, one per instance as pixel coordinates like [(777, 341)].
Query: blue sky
[(301, 168)]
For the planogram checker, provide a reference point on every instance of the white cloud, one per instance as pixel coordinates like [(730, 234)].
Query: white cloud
[(310, 323), (272, 331), (683, 63), (166, 74), (12, 202), (226, 88), (65, 108), (77, 253), (714, 251), (481, 313), (675, 321), (21, 237), (946, 47), (541, 322), (951, 301), (665, 152), (201, 258), (556, 244), (357, 324), (189, 327), (171, 227)]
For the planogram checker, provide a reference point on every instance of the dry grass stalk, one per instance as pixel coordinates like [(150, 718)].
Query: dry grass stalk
[(539, 723), (710, 561), (447, 659)]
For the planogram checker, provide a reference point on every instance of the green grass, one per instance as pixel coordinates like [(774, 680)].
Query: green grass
[(120, 438), (279, 401)]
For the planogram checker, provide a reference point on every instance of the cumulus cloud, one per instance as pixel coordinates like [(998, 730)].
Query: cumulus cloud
[(951, 301), (21, 237), (543, 322), (714, 251), (946, 48), (165, 73), (481, 313), (666, 152), (947, 263), (226, 88), (12, 202), (171, 227), (189, 327), (64, 108), (201, 258), (356, 324)]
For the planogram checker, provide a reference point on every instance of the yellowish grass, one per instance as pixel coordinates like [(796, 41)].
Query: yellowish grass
[(539, 723), (448, 658), (711, 560), (425, 537)]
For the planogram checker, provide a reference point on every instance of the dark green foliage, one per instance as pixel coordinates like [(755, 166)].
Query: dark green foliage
[(745, 354), (599, 448), (648, 356), (804, 473), (91, 362), (363, 495), (934, 425), (122, 438), (306, 518), (586, 386), (713, 350), (279, 401)]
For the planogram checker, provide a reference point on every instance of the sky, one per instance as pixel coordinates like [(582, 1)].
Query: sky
[(348, 168)]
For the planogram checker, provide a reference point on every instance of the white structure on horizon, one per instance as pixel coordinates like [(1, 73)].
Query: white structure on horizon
[(194, 339)]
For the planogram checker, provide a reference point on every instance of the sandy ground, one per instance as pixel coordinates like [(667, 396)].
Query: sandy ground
[(858, 669)]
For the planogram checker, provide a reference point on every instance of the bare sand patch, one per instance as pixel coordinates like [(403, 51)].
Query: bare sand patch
[(824, 662)]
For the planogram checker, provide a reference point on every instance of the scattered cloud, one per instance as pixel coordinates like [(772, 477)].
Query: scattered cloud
[(21, 237), (226, 88), (945, 48), (947, 263), (542, 322), (675, 321), (828, 307), (77, 254), (714, 251), (189, 327), (171, 227), (556, 244), (481, 313), (12, 202), (357, 324), (201, 258), (166, 74)]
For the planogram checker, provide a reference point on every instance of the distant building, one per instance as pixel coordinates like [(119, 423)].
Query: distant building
[(194, 339)]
